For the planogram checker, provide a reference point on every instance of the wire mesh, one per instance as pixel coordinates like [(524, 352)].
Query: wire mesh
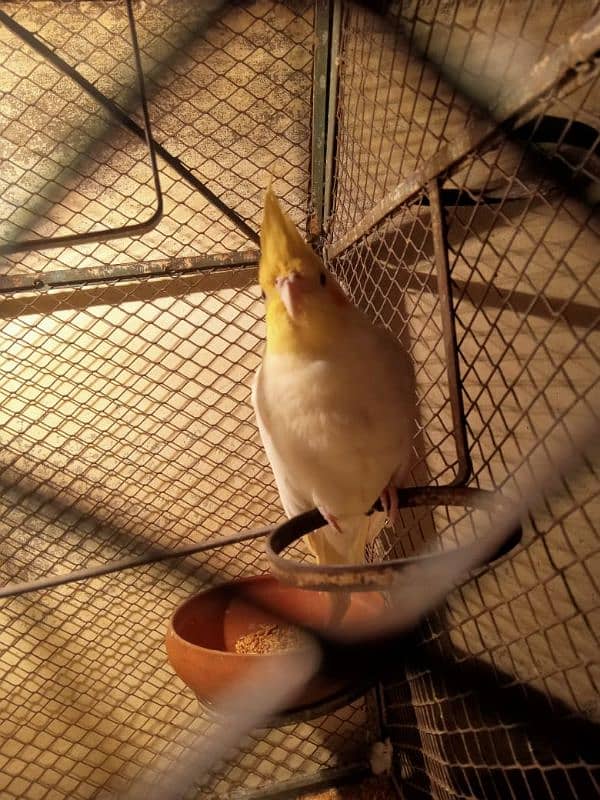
[(52, 163), (126, 421), (390, 274), (230, 102), (91, 706), (396, 109), (134, 409), (499, 697), (127, 424)]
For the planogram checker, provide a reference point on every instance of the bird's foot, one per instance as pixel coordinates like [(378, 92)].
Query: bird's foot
[(330, 519), (389, 503)]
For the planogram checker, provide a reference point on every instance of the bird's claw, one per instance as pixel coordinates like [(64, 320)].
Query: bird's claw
[(330, 519)]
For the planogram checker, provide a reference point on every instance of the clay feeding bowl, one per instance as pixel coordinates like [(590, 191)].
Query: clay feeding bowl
[(204, 629)]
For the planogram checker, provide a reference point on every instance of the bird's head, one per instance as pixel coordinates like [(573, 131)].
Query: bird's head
[(299, 291)]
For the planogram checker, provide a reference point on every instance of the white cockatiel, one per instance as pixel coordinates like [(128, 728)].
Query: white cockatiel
[(333, 397)]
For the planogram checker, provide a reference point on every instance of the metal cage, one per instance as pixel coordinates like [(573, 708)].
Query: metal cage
[(446, 159)]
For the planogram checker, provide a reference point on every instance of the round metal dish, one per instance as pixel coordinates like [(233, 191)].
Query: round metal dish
[(383, 574)]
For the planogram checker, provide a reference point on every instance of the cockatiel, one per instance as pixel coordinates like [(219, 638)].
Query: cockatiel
[(333, 397)]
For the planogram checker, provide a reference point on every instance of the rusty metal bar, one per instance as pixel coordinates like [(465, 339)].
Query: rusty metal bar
[(381, 575), (444, 291), (155, 556), (553, 70), (19, 304), (152, 269), (336, 28), (297, 787), (319, 114), (143, 133)]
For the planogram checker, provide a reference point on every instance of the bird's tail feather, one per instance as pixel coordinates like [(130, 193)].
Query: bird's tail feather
[(345, 547)]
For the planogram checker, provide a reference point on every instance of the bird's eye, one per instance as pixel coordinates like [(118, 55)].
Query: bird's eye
[(322, 279)]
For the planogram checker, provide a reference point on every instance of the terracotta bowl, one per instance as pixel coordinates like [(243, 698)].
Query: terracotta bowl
[(203, 631)]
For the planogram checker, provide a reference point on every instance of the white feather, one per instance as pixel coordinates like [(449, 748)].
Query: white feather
[(337, 429)]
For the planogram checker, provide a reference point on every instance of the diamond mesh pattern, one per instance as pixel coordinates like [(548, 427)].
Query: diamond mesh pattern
[(137, 413), (125, 417), (91, 705), (232, 104), (395, 111), (58, 177), (498, 697), (124, 413), (126, 423), (390, 274)]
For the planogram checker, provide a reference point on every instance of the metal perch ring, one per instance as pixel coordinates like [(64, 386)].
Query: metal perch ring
[(381, 575)]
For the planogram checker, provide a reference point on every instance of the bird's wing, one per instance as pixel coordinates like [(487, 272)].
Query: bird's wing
[(291, 498)]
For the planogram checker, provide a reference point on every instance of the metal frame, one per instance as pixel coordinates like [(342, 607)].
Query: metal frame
[(557, 69), (70, 277), (130, 124), (444, 290), (336, 30), (92, 275), (322, 58), (549, 72), (322, 780), (143, 133)]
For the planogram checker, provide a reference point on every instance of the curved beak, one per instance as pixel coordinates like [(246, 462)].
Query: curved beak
[(290, 288)]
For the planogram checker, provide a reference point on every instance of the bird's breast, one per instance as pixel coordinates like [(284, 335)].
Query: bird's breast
[(333, 428)]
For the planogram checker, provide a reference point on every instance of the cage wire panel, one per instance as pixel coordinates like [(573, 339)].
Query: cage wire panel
[(230, 98), (500, 696), (125, 403), (125, 420)]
